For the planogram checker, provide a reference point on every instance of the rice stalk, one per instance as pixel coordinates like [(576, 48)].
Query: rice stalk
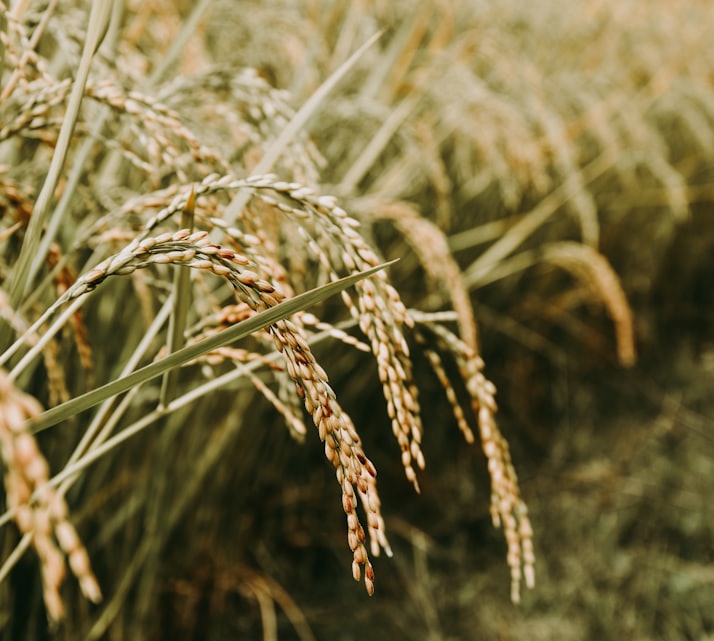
[(27, 264)]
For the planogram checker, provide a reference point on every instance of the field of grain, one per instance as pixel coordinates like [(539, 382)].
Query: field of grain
[(331, 320)]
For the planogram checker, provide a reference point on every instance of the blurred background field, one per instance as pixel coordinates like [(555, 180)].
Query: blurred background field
[(548, 165)]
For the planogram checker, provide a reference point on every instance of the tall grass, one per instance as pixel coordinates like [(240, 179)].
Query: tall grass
[(161, 201)]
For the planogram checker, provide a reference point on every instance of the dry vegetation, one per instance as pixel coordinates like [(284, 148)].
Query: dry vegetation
[(176, 176)]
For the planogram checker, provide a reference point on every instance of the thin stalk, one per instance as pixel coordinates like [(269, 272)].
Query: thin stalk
[(207, 458), (182, 299), (90, 437), (379, 141), (15, 556), (27, 264), (159, 486), (3, 28), (480, 234), (31, 46), (33, 330), (68, 193), (112, 609), (477, 271), (179, 42), (403, 46), (295, 125), (37, 348)]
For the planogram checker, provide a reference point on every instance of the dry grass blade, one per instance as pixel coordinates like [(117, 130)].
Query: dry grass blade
[(38, 344)]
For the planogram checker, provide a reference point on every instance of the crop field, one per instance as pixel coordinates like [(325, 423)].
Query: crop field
[(327, 320)]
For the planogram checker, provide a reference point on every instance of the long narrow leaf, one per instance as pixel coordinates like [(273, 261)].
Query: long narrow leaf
[(28, 261), (297, 123), (241, 330)]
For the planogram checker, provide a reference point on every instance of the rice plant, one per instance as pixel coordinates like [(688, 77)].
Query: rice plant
[(197, 198), (127, 191)]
